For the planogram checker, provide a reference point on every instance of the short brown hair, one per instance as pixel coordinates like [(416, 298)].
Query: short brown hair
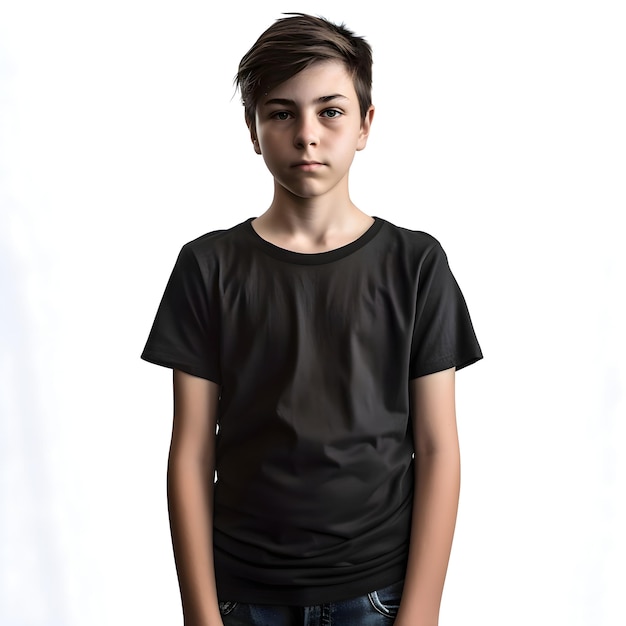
[(292, 44)]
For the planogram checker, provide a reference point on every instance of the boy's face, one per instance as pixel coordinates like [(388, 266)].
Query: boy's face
[(308, 129)]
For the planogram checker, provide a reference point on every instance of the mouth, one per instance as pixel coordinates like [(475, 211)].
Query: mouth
[(307, 166)]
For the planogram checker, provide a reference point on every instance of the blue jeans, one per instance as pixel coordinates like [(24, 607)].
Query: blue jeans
[(377, 608)]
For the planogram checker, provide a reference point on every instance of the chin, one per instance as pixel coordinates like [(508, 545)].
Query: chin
[(304, 191), (308, 195)]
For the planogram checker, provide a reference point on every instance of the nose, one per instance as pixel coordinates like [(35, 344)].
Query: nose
[(306, 132)]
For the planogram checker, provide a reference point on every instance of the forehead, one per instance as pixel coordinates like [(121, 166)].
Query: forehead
[(321, 79)]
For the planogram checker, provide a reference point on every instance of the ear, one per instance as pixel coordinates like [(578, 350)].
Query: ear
[(252, 128), (366, 125)]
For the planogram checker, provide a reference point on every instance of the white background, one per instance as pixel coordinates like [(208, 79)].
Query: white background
[(500, 129)]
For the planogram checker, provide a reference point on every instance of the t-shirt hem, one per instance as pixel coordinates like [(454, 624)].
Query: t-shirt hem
[(311, 595)]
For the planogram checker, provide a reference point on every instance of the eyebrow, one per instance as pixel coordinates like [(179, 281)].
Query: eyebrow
[(288, 102)]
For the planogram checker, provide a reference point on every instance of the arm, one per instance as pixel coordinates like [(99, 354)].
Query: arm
[(190, 473), (437, 479)]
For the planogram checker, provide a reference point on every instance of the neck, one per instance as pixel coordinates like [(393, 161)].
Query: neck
[(311, 224)]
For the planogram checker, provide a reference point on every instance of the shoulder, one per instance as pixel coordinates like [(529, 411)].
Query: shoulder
[(416, 244), (215, 244), (215, 238)]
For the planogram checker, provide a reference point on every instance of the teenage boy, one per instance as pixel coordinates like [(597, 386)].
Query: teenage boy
[(322, 345)]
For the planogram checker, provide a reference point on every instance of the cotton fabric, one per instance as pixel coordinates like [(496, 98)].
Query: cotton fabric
[(313, 354)]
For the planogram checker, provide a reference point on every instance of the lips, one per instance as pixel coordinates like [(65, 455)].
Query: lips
[(307, 166)]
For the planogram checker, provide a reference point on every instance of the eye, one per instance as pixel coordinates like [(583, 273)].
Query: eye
[(331, 113), (281, 115)]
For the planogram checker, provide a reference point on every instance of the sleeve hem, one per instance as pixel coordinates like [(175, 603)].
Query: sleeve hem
[(445, 363), (176, 363)]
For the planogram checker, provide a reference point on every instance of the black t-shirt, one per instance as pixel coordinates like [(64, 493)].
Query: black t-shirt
[(314, 354)]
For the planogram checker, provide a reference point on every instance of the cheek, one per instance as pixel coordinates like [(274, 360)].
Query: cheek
[(269, 143), (271, 162)]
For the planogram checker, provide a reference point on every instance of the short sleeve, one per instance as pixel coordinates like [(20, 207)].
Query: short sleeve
[(185, 333), (443, 334)]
